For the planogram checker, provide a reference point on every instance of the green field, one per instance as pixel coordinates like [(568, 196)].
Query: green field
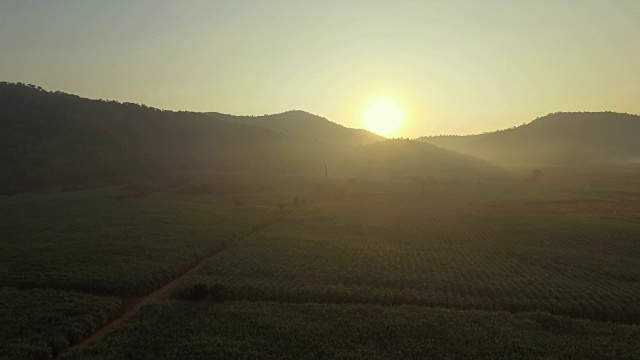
[(40, 323), (86, 241), (356, 268), (241, 330), (405, 254)]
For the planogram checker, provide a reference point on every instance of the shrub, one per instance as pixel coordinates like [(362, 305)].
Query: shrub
[(198, 292)]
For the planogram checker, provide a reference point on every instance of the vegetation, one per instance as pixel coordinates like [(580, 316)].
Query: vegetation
[(300, 124), (235, 330), (579, 138), (331, 245), (56, 139), (403, 157), (439, 253), (549, 253), (40, 324), (86, 241)]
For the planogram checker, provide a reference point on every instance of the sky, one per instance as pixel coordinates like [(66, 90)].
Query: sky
[(454, 67)]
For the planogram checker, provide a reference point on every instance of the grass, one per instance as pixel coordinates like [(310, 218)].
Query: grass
[(39, 324), (239, 330)]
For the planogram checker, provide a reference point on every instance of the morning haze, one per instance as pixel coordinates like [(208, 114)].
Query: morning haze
[(297, 180), (454, 67)]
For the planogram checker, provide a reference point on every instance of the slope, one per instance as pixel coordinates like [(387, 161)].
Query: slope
[(556, 139), (403, 157), (302, 124), (55, 139)]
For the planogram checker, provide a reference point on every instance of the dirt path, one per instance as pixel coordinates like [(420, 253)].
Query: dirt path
[(132, 306)]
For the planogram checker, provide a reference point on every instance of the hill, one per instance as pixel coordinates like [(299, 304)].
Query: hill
[(403, 157), (57, 139), (301, 124), (53, 138), (556, 139)]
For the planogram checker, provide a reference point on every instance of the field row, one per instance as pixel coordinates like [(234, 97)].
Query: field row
[(235, 330), (96, 245), (39, 324), (577, 267)]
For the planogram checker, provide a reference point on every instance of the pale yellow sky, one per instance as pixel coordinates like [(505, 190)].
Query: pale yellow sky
[(456, 67)]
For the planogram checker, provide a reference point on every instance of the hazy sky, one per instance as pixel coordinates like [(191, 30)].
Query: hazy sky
[(455, 67)]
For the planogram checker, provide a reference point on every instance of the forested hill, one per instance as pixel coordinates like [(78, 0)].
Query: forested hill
[(54, 139), (302, 124), (577, 138), (57, 138)]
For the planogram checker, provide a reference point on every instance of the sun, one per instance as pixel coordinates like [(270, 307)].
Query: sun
[(383, 116)]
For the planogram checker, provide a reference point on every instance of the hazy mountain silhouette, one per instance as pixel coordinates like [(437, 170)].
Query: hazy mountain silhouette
[(302, 124), (400, 157), (578, 138), (54, 138)]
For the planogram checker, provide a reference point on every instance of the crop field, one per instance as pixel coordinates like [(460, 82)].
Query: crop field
[(89, 244), (85, 241), (355, 268), (240, 330), (437, 254), (41, 323)]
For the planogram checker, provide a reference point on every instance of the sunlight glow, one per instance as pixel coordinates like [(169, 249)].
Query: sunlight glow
[(383, 116)]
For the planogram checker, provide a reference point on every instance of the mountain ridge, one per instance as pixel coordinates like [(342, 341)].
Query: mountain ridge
[(561, 138), (57, 139), (300, 123)]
